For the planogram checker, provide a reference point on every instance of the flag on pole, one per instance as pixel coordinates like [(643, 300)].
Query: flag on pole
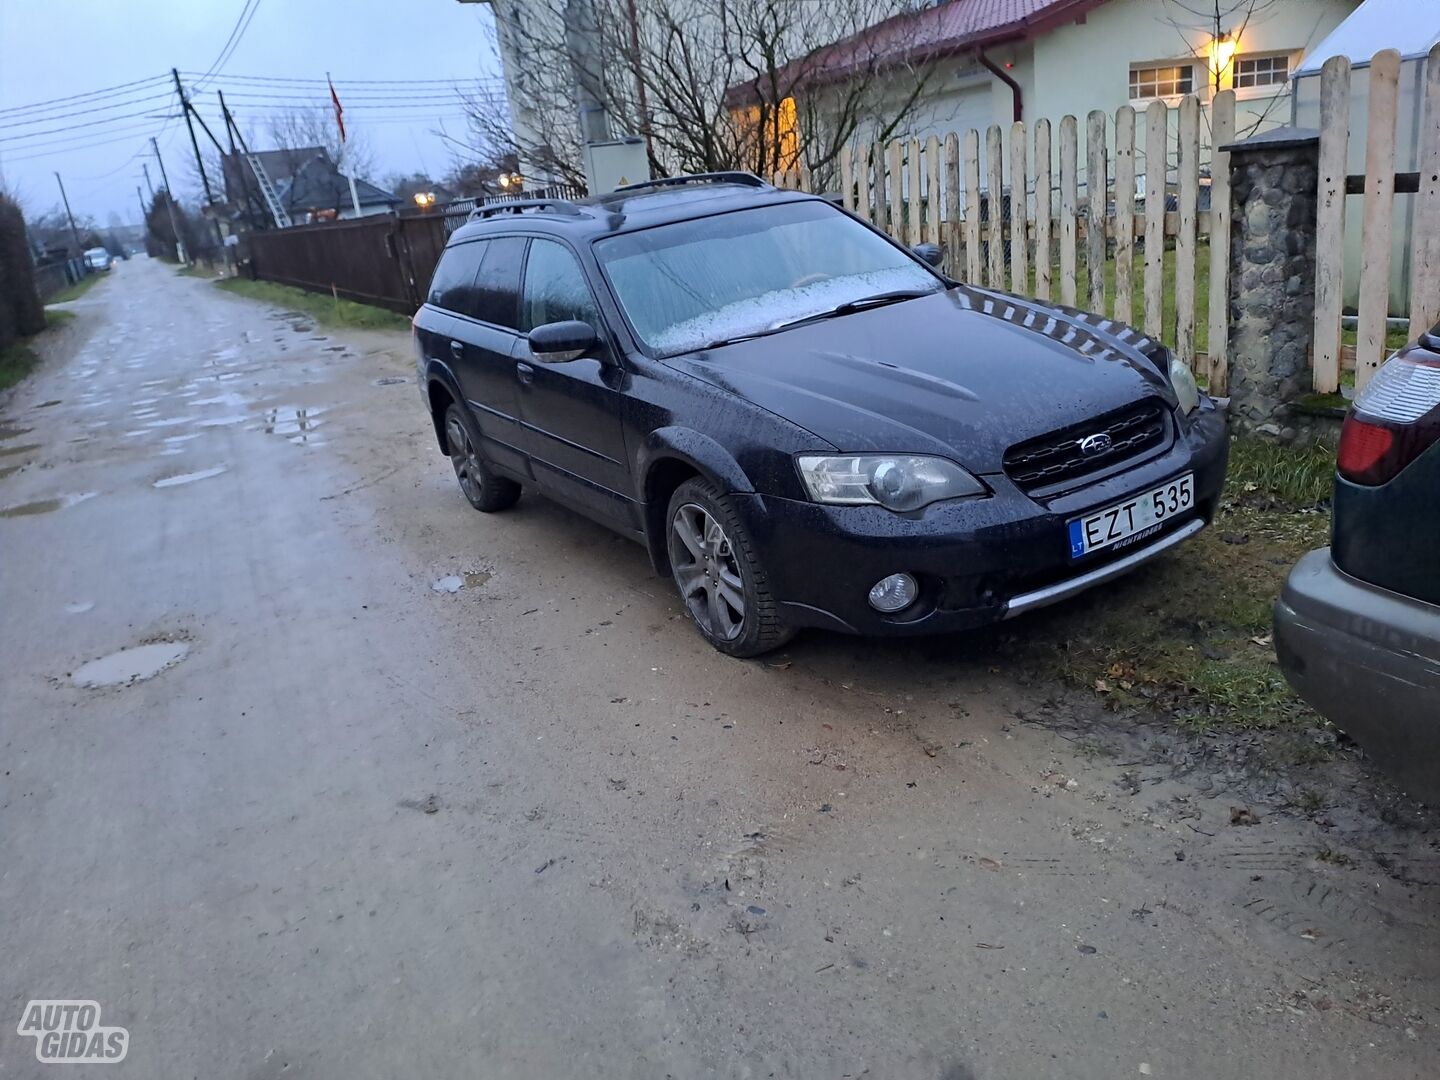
[(339, 112)]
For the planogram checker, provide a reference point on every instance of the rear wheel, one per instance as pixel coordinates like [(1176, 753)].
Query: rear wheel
[(486, 490), (719, 574)]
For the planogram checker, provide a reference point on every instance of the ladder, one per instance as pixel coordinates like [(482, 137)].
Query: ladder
[(272, 197)]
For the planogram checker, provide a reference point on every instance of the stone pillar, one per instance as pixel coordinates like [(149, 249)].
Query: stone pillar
[(1273, 183)]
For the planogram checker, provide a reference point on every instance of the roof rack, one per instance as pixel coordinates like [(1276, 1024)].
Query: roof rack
[(748, 179), (515, 206)]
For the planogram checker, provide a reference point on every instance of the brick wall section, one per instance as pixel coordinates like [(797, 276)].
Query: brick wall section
[(1273, 183)]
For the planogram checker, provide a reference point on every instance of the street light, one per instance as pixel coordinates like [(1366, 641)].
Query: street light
[(424, 199)]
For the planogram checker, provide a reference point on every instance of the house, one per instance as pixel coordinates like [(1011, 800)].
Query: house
[(997, 61), (307, 184)]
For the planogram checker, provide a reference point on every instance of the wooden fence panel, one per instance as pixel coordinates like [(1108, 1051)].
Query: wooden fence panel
[(953, 216), (1330, 222), (1124, 213), (1379, 206), (847, 178), (1069, 207), (1043, 209), (913, 200), (1156, 128), (995, 201), (1096, 194), (1425, 231), (1019, 233), (933, 231), (895, 190), (1185, 242), (972, 208), (1222, 132)]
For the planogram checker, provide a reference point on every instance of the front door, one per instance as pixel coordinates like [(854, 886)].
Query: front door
[(571, 412)]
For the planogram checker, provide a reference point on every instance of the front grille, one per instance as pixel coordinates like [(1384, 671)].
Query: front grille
[(1054, 460)]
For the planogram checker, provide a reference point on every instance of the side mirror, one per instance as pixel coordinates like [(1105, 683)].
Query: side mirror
[(557, 342), (930, 253)]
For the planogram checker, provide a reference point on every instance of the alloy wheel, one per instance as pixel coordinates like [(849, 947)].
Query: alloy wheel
[(464, 458), (706, 572)]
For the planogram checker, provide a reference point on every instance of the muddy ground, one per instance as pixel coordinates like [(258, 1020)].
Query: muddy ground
[(401, 789)]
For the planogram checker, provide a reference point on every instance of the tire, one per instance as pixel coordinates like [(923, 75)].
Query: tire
[(487, 491), (719, 575)]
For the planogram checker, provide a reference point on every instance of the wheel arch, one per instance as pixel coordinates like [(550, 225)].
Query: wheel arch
[(441, 391), (669, 457)]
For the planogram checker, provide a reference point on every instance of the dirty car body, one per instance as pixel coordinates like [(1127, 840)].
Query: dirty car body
[(1357, 628), (842, 415)]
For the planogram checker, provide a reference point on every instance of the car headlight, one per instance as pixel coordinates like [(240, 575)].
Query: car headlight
[(1187, 393), (895, 481)]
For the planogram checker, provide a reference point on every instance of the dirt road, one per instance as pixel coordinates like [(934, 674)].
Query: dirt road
[(427, 793)]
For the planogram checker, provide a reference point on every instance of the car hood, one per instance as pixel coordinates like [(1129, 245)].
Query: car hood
[(964, 373)]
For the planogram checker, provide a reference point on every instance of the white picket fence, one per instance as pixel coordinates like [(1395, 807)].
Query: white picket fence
[(1380, 184), (935, 192)]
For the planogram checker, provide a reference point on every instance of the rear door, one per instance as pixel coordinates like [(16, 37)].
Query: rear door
[(479, 293), (571, 412)]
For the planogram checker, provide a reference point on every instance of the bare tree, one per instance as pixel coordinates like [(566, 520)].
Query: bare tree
[(764, 85), (301, 128)]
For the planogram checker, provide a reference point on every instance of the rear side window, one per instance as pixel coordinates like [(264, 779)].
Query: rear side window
[(497, 289), (555, 287), (453, 286)]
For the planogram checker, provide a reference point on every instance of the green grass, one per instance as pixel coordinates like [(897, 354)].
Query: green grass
[(1395, 338), (326, 310), (74, 292), (196, 270), (19, 359), (1189, 634)]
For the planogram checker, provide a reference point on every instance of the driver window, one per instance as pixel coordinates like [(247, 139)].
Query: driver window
[(555, 287)]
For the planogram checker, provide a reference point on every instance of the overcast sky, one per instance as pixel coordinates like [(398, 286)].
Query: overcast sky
[(58, 48)]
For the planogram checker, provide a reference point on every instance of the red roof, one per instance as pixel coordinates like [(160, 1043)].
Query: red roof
[(954, 27)]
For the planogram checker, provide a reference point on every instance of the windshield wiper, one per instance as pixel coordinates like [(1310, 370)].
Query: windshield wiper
[(852, 306), (718, 342)]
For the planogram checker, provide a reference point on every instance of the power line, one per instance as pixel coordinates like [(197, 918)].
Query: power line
[(451, 81), (88, 110), (82, 146), (73, 127), (34, 105), (232, 42)]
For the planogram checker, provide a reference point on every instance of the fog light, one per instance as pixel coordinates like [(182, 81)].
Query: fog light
[(893, 593)]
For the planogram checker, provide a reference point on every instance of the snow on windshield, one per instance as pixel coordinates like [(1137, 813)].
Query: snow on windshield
[(780, 305)]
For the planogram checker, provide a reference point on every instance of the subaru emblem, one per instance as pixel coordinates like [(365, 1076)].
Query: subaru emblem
[(1095, 444)]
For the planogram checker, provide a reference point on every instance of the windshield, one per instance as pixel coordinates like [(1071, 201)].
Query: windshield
[(695, 282)]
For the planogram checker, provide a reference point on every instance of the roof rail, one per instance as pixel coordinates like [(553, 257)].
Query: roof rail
[(748, 179), (559, 206)]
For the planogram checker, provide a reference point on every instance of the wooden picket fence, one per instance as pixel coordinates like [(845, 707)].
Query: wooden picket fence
[(1379, 184), (998, 215)]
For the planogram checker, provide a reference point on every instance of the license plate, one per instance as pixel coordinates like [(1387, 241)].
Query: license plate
[(1132, 519)]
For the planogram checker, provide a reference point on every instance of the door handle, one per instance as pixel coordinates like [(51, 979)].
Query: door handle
[(457, 350), (525, 373)]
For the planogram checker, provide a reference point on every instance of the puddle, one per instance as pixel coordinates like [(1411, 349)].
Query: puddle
[(222, 421), (7, 432), (290, 421), (453, 583), (182, 438), (392, 380), (233, 400), (189, 477), (7, 451), (145, 401), (130, 665), (45, 506), (168, 422), (79, 607)]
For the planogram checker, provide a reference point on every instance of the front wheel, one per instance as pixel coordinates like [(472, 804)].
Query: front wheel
[(486, 491), (719, 574)]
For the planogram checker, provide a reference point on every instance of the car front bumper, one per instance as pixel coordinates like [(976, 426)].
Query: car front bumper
[(977, 560), (1367, 660)]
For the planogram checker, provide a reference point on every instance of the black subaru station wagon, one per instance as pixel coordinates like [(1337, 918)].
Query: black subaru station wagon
[(805, 423)]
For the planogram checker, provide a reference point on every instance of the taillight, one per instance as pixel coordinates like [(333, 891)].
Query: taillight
[(1396, 418)]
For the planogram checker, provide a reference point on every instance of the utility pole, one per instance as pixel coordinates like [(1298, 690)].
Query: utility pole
[(144, 215), (146, 166), (189, 111), (169, 202), (74, 232), (257, 220)]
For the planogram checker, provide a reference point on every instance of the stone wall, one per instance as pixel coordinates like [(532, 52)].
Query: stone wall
[(1273, 183)]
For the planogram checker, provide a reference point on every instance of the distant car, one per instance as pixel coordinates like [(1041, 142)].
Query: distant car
[(1357, 628), (98, 259), (805, 423)]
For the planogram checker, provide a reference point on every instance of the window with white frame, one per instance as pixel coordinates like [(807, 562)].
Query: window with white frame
[(1161, 80), (1261, 71)]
